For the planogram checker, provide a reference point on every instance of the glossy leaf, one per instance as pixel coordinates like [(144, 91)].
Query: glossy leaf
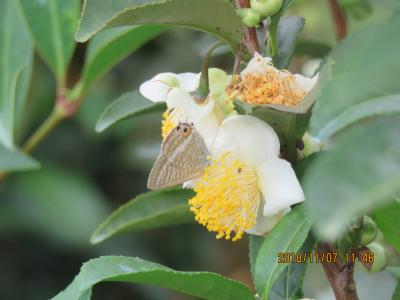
[(287, 236), (289, 285), (60, 206), (387, 218), (107, 48), (273, 26), (361, 171), (396, 293), (288, 125), (15, 68), (288, 32), (53, 24), (360, 86), (135, 270), (217, 17), (14, 160), (149, 210), (128, 105)]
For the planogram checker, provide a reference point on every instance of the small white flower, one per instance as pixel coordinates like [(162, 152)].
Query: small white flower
[(175, 89), (246, 187), (261, 83)]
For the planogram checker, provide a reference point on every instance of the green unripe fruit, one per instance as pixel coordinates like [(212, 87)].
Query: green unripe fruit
[(250, 17), (266, 8), (369, 231), (379, 258)]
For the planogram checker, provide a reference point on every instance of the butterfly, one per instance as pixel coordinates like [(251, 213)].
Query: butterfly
[(183, 157)]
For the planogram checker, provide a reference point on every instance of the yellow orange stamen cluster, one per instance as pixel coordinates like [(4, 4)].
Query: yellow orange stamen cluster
[(271, 87), (227, 198)]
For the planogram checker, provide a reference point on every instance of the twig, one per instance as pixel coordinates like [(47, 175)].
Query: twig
[(339, 19), (249, 34), (339, 274)]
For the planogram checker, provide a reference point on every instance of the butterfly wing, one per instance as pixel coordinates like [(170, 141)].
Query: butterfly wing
[(181, 159)]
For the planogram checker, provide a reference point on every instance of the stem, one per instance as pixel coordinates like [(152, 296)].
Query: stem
[(249, 34), (64, 108), (339, 19), (48, 125), (339, 274)]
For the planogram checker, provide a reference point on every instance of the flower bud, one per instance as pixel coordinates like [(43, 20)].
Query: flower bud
[(250, 17), (379, 261), (369, 231), (266, 8)]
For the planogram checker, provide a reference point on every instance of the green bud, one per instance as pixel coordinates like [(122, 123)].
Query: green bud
[(250, 17), (379, 258), (266, 8), (369, 231)]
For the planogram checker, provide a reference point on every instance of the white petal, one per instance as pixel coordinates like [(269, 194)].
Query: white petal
[(201, 115), (265, 224), (208, 128), (306, 83), (278, 185), (188, 81), (258, 65), (256, 141), (178, 98), (156, 89)]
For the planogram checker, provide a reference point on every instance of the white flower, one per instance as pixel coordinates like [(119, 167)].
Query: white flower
[(246, 187), (156, 89), (174, 89), (261, 83)]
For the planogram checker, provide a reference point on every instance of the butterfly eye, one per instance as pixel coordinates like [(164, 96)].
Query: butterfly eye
[(185, 130), (178, 128)]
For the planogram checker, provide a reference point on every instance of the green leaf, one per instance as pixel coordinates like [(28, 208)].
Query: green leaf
[(396, 293), (396, 272), (204, 285), (290, 282), (288, 32), (217, 17), (312, 48), (287, 236), (289, 126), (255, 243), (360, 86), (273, 27), (58, 205), (149, 210), (387, 218), (53, 24), (107, 48), (15, 69), (361, 170), (128, 105), (14, 160)]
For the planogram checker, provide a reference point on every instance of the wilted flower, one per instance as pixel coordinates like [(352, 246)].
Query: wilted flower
[(261, 83), (246, 187)]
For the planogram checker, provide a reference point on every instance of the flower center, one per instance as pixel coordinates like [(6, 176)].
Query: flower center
[(170, 119), (271, 87), (227, 198)]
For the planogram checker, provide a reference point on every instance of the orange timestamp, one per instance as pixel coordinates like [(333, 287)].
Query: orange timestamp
[(322, 257)]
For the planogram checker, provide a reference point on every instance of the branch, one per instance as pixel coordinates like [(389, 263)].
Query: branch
[(339, 19), (249, 34), (339, 274)]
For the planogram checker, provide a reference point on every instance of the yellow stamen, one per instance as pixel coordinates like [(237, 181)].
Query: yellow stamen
[(227, 198), (271, 87)]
